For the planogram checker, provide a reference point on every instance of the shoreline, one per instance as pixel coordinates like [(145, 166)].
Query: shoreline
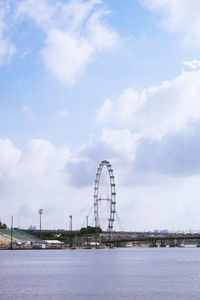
[(106, 248)]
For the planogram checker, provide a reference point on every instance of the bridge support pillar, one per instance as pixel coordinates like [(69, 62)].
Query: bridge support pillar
[(162, 243), (153, 243), (198, 243), (180, 243)]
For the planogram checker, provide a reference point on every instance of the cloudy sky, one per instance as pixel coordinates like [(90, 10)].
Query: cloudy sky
[(83, 81)]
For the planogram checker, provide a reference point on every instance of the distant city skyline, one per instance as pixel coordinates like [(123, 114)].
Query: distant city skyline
[(86, 81)]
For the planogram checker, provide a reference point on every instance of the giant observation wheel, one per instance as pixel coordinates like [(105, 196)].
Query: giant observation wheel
[(111, 198)]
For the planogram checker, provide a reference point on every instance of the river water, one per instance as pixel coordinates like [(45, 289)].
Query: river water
[(136, 273)]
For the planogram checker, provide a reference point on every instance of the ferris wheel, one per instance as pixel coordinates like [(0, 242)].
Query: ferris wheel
[(111, 198)]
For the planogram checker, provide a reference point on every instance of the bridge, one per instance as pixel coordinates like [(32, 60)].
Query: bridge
[(53, 231), (124, 237), (153, 241)]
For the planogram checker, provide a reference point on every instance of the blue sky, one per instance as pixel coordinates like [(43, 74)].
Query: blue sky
[(83, 81)]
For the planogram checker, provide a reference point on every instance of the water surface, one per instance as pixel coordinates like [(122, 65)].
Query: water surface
[(137, 273)]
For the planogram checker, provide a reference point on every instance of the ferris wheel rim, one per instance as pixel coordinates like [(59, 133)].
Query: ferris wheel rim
[(112, 198)]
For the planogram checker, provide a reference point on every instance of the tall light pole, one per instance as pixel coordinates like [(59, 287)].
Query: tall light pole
[(11, 234), (40, 212), (87, 230), (70, 228)]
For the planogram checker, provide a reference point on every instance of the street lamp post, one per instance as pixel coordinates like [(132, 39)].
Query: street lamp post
[(11, 234), (87, 231), (40, 212), (70, 228)]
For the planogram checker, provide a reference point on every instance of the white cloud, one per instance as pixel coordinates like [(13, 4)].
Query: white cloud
[(65, 55), (105, 111), (166, 204), (7, 49), (157, 110), (101, 35), (182, 16), (128, 104), (192, 65), (121, 142), (42, 12), (118, 146), (62, 113), (75, 32), (32, 178), (9, 156)]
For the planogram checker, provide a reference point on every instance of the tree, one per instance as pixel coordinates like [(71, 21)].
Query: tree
[(90, 230), (2, 225)]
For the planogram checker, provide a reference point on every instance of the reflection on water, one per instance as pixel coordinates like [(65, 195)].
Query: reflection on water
[(138, 273)]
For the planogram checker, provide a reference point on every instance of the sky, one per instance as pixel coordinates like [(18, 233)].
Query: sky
[(83, 81)]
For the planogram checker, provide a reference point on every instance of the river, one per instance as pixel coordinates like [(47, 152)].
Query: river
[(135, 273)]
